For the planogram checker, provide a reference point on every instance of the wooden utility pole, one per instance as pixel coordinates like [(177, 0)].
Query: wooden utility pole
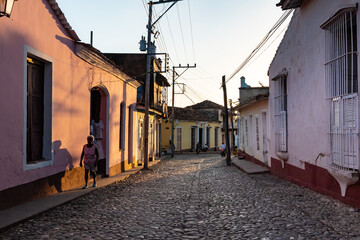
[(232, 126), (226, 122), (172, 146)]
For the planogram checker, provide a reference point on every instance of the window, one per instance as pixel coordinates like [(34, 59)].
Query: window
[(342, 88), (239, 125), (178, 138), (38, 106), (246, 133), (257, 133), (122, 127), (280, 99), (216, 137)]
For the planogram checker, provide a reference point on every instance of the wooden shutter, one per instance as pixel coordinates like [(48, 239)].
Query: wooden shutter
[(35, 110), (178, 139), (350, 131)]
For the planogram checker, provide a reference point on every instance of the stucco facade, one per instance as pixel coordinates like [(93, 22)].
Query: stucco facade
[(185, 128), (36, 33), (253, 134), (300, 63)]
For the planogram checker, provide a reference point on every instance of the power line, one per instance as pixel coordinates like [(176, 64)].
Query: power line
[(182, 35), (269, 45), (261, 44), (172, 38), (191, 30)]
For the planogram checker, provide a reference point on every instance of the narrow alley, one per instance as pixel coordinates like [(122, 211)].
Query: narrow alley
[(195, 197)]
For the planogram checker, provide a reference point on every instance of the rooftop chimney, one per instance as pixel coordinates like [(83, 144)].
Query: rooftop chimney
[(243, 83)]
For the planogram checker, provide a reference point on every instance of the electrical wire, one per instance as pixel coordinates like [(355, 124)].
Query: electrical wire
[(191, 31), (259, 55), (172, 38), (262, 43), (182, 35)]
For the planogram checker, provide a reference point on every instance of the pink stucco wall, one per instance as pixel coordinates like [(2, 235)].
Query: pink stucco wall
[(34, 24)]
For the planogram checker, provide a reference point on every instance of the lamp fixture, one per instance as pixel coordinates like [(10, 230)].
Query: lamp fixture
[(6, 7)]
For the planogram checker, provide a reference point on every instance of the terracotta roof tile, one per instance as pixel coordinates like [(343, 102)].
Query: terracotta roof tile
[(191, 114)]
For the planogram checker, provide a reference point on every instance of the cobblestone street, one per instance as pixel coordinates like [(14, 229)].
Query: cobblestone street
[(196, 197)]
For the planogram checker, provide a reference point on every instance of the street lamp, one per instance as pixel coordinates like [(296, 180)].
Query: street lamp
[(6, 7)]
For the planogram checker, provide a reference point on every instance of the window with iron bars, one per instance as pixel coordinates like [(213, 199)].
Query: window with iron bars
[(257, 133), (280, 100), (341, 76)]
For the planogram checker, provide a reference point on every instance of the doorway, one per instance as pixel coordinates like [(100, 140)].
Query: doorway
[(201, 137), (99, 126), (193, 144)]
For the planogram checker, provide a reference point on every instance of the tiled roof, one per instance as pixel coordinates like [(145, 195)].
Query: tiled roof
[(96, 58), (206, 105), (190, 114), (63, 20)]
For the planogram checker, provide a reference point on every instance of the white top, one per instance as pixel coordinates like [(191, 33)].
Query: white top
[(97, 128)]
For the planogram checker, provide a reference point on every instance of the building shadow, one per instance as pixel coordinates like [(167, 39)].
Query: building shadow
[(62, 158)]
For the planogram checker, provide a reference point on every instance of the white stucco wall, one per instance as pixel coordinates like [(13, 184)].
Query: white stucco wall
[(302, 53)]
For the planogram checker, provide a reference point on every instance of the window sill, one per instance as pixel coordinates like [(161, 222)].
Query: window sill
[(282, 155), (38, 164)]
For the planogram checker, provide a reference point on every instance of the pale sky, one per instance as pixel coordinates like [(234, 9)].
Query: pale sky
[(220, 35)]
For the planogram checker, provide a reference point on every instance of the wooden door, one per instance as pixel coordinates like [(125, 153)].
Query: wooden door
[(35, 110)]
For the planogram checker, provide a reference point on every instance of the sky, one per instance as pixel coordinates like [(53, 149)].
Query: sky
[(217, 36)]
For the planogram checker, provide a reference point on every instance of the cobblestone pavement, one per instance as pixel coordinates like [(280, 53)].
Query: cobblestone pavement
[(196, 197)]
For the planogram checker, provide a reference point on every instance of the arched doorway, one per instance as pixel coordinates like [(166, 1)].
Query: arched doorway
[(99, 115)]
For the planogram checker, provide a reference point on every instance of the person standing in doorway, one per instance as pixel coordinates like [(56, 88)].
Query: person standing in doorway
[(97, 127), (90, 155)]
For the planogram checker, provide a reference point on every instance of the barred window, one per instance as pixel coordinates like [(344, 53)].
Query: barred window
[(280, 99), (257, 133), (342, 88)]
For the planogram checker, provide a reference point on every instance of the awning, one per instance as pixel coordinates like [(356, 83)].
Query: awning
[(161, 80)]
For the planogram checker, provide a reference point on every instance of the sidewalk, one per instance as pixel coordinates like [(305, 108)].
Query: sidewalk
[(248, 167), (17, 214)]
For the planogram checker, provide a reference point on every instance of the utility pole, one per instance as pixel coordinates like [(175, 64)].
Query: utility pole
[(232, 126), (226, 121), (148, 72), (172, 146)]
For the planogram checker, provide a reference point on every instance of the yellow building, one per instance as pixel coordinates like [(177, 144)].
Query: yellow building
[(135, 65), (252, 122), (192, 126)]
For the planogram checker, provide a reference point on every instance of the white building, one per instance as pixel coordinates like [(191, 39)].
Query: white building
[(314, 98)]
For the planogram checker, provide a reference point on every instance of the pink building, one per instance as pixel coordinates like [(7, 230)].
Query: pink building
[(52, 87), (314, 99)]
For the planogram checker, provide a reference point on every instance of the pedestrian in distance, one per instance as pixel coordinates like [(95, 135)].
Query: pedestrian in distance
[(223, 147), (90, 155), (198, 148)]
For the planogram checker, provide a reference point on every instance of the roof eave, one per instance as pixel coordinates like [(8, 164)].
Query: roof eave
[(63, 20), (95, 58), (289, 4)]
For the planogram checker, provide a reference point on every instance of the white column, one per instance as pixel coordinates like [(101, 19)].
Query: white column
[(205, 128)]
